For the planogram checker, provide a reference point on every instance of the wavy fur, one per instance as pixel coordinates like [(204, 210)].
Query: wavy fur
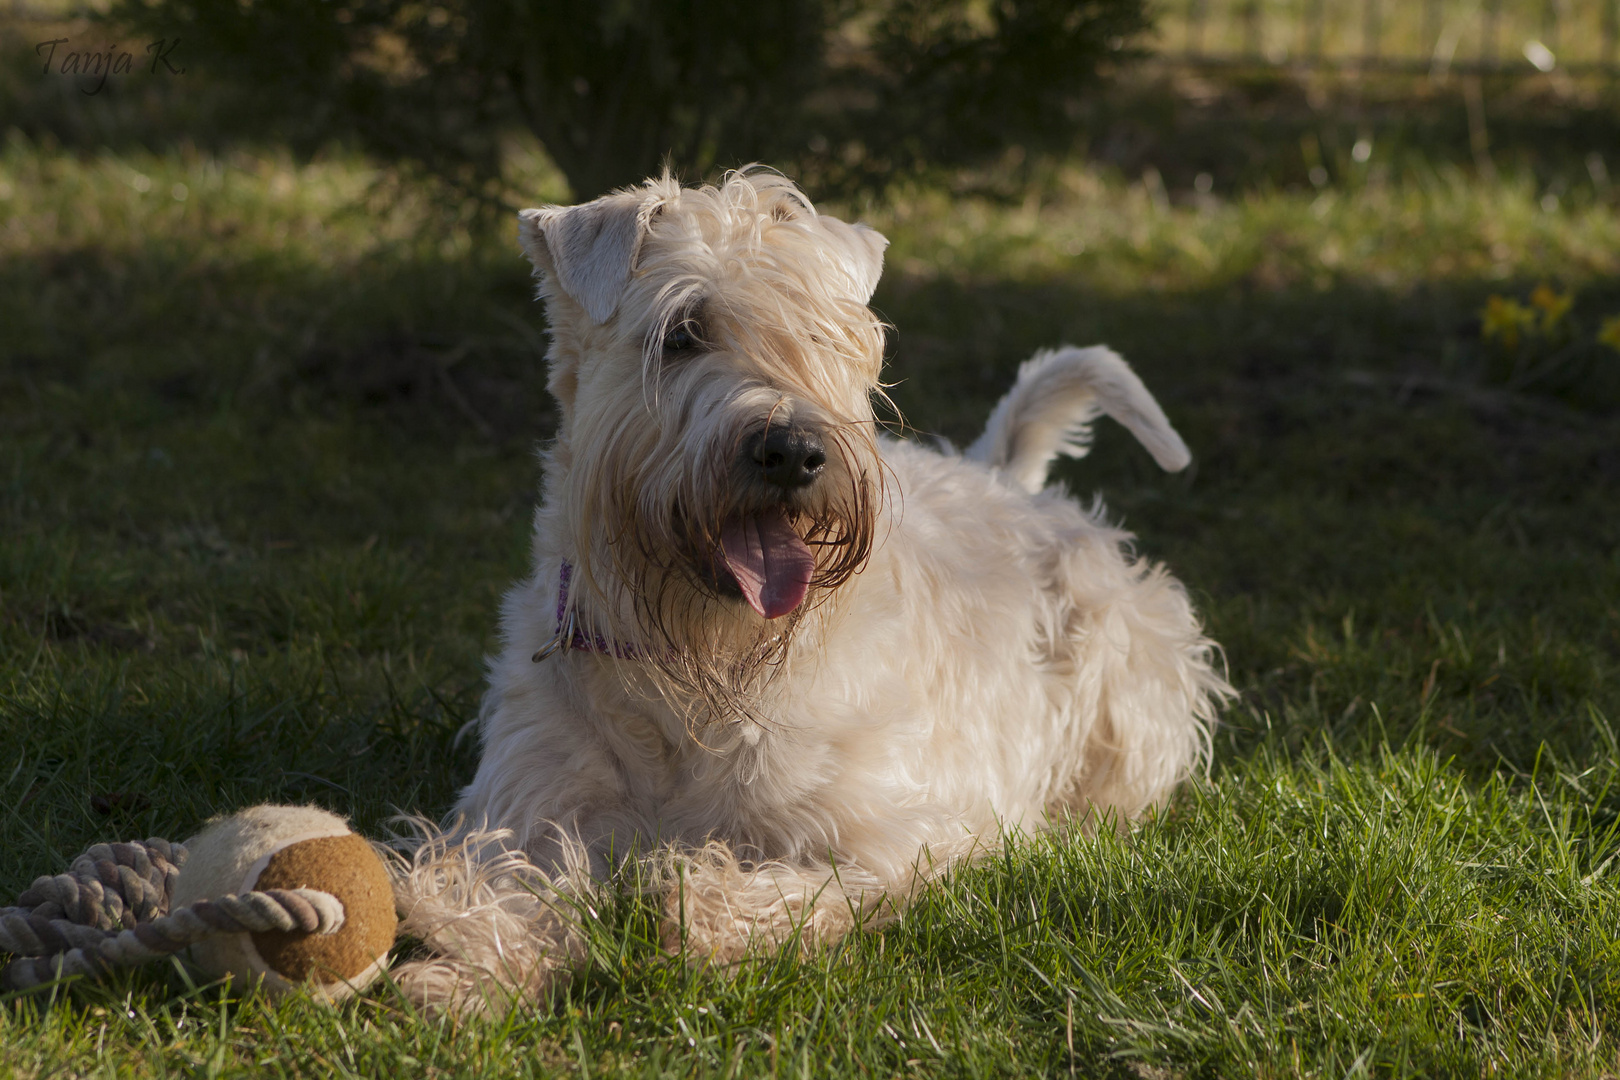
[(973, 655)]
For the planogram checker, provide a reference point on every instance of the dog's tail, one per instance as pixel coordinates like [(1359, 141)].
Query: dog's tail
[(1050, 408)]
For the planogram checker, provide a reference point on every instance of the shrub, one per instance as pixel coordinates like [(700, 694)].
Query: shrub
[(850, 90)]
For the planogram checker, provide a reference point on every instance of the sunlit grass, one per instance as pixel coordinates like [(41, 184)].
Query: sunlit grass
[(1126, 237)]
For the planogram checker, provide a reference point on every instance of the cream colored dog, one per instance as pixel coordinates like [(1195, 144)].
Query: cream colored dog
[(796, 667)]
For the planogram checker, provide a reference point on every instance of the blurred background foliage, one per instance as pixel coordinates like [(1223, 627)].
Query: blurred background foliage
[(494, 102), (845, 92)]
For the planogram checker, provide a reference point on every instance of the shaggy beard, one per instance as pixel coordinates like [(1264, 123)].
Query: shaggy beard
[(678, 607)]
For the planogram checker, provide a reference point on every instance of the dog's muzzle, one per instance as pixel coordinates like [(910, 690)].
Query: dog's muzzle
[(759, 547)]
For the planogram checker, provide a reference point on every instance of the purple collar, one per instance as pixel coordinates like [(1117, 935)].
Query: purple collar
[(570, 637)]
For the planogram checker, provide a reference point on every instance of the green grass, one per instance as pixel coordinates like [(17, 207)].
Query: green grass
[(266, 465), (1344, 30)]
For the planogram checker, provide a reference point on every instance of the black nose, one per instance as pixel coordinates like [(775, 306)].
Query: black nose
[(787, 457)]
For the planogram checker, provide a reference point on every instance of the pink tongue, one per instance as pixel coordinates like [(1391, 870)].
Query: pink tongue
[(771, 564)]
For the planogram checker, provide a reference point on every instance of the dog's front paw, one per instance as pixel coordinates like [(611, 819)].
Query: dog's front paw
[(720, 910)]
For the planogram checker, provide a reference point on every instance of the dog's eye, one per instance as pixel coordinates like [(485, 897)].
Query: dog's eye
[(681, 339)]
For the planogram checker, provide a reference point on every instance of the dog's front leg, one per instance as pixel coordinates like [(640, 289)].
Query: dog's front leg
[(501, 930), (719, 908)]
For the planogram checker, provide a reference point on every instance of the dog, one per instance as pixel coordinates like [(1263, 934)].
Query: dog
[(791, 667)]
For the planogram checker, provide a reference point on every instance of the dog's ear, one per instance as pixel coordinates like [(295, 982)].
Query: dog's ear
[(864, 245), (589, 250)]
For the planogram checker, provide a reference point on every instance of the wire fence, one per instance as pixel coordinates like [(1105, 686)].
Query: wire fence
[(1435, 37)]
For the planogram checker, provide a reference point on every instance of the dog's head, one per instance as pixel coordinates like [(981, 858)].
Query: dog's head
[(715, 362)]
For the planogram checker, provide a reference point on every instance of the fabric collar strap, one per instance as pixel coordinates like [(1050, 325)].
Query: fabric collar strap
[(570, 636)]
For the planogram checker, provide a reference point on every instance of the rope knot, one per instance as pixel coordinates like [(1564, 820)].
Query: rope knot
[(112, 909)]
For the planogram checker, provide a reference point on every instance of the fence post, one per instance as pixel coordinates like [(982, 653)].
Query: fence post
[(1371, 31), (1197, 10), (1431, 27), (1487, 43), (1611, 31)]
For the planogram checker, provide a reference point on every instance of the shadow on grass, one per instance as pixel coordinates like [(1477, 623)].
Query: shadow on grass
[(280, 459), (1383, 538)]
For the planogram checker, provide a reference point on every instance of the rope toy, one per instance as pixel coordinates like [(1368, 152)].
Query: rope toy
[(279, 896)]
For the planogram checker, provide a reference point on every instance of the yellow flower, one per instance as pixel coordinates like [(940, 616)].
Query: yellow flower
[(1609, 332), (1553, 305), (1504, 320)]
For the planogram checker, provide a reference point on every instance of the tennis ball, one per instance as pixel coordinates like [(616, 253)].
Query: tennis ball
[(292, 847)]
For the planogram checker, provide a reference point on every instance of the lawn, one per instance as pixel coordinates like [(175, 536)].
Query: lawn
[(267, 450)]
